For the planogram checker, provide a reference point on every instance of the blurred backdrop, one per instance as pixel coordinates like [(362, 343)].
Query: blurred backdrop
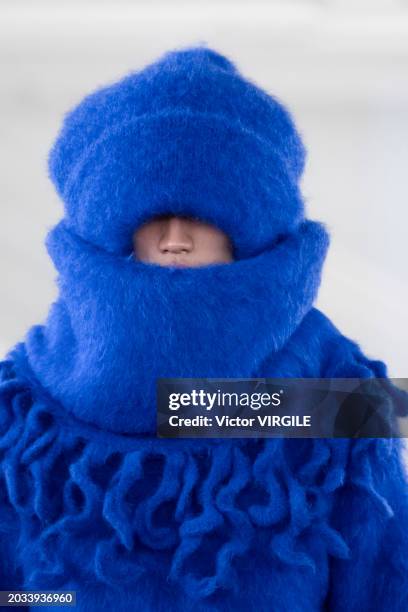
[(340, 66)]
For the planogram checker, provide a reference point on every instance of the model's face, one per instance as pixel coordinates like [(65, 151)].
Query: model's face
[(181, 241)]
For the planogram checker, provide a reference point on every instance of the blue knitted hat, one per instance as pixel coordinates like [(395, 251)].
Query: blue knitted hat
[(187, 135)]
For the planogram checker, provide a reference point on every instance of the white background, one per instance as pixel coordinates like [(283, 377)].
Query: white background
[(340, 66)]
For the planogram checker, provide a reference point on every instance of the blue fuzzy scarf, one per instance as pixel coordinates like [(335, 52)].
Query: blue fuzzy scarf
[(118, 323)]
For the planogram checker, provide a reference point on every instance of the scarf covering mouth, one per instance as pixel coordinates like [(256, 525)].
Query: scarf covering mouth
[(119, 324)]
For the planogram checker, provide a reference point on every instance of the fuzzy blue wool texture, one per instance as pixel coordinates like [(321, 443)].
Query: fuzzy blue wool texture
[(90, 499)]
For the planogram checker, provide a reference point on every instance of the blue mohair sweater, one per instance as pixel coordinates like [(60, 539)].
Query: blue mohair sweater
[(90, 499)]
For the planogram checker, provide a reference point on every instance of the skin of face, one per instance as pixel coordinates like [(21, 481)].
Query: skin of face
[(181, 241)]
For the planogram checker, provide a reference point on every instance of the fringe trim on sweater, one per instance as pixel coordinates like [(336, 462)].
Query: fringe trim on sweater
[(187, 502)]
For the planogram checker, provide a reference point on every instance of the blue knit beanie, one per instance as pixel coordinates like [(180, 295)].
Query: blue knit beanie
[(186, 135)]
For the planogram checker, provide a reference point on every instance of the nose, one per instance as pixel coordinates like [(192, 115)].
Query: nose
[(175, 238)]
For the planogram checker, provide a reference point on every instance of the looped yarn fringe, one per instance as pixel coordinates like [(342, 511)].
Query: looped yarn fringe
[(202, 507), (370, 457)]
